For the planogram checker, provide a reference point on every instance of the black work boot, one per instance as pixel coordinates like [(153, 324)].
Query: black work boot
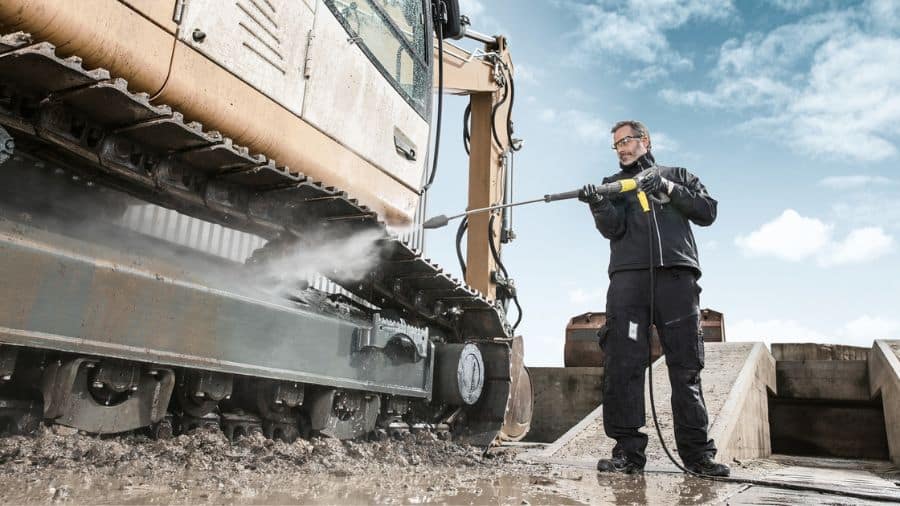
[(619, 464), (708, 467)]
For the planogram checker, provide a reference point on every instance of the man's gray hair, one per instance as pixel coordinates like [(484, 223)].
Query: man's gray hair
[(639, 128)]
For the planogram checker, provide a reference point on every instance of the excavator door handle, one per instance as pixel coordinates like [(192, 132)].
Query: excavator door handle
[(404, 145)]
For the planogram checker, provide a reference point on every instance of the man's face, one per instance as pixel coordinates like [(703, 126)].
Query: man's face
[(628, 146)]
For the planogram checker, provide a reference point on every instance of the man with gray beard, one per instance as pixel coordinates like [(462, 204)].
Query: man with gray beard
[(661, 240)]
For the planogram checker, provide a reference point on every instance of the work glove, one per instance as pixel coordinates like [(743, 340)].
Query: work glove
[(589, 194), (652, 183)]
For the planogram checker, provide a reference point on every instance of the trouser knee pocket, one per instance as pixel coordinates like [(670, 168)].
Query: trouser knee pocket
[(682, 341)]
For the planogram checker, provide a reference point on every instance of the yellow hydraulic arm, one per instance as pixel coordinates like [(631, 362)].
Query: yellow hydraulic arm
[(484, 78)]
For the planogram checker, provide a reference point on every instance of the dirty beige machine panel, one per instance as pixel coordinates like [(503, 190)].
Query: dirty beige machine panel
[(262, 42), (299, 55)]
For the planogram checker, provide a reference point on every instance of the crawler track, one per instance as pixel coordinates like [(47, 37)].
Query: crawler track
[(90, 123)]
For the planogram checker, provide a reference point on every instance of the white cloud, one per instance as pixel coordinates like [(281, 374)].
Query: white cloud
[(795, 238), (481, 21), (773, 331), (584, 125), (861, 245), (471, 8), (636, 30), (662, 143), (789, 237), (740, 93), (885, 14), (851, 106), (711, 245), (867, 208), (642, 77), (853, 182), (527, 74), (825, 85), (791, 5), (592, 298), (578, 95), (867, 328), (858, 332)]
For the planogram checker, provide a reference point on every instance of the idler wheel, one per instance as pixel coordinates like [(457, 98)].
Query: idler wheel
[(459, 374)]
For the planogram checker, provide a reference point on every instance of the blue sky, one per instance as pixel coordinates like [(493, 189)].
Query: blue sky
[(788, 111)]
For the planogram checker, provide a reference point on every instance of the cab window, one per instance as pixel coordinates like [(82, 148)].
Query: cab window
[(392, 33)]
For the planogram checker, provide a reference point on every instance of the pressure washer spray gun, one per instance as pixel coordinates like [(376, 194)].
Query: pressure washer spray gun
[(620, 186)]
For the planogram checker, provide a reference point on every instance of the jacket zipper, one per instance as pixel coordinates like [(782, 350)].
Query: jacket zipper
[(658, 236)]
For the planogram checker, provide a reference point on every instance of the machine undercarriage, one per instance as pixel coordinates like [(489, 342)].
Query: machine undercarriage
[(108, 329)]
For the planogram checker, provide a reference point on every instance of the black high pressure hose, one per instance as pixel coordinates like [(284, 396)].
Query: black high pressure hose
[(439, 26), (509, 92), (463, 226), (466, 115), (497, 106), (748, 481), (496, 255), (512, 101)]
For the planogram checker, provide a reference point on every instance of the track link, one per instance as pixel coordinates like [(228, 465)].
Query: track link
[(90, 122)]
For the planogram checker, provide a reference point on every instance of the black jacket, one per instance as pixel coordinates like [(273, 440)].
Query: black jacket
[(621, 220)]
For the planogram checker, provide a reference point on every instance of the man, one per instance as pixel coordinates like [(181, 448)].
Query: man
[(662, 238)]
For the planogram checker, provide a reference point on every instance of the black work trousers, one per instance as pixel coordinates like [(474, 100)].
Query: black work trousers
[(626, 346)]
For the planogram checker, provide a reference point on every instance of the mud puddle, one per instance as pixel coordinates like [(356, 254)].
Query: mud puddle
[(62, 466)]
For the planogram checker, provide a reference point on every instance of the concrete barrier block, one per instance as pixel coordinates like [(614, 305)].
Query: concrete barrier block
[(818, 351), (838, 380), (884, 380), (563, 396), (741, 428)]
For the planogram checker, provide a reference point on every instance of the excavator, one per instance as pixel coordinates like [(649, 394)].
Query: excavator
[(211, 216)]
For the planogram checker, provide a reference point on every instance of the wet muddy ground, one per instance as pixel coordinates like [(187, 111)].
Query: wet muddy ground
[(62, 466)]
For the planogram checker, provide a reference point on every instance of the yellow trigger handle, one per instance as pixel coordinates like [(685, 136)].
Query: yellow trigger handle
[(645, 204), (631, 184)]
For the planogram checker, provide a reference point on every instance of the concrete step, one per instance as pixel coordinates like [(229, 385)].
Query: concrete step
[(838, 475), (736, 382), (845, 380), (828, 428)]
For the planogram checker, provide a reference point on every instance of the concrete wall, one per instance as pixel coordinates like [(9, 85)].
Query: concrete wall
[(814, 351), (844, 380), (884, 380), (562, 397), (741, 428), (842, 429)]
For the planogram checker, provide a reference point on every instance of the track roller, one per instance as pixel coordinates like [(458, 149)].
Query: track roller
[(343, 414), (182, 424), (105, 396), (199, 392), (238, 425)]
